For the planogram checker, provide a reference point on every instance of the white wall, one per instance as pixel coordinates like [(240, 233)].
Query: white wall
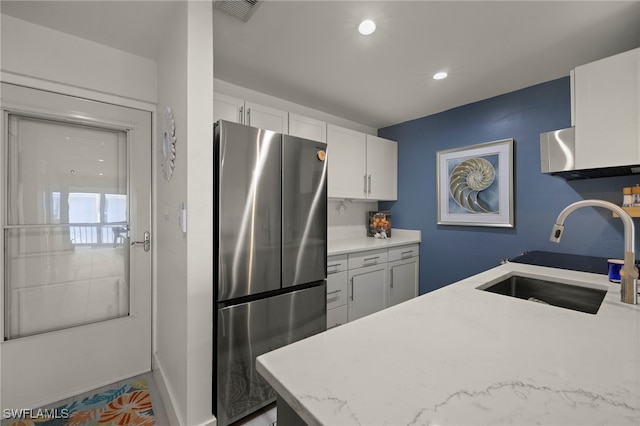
[(182, 79), (353, 222), (52, 60), (184, 261)]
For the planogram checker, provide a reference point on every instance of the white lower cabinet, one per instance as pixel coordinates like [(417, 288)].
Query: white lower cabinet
[(403, 281), (337, 277), (366, 290), (337, 316), (364, 282)]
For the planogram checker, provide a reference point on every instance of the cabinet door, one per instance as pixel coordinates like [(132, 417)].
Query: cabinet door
[(367, 288), (308, 128), (403, 281), (266, 118), (227, 108), (337, 289), (382, 169), (607, 111), (336, 316), (346, 153)]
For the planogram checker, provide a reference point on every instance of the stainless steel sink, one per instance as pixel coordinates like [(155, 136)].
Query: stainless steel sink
[(583, 299)]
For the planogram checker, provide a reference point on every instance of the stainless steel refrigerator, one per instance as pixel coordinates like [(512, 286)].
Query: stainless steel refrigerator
[(270, 222)]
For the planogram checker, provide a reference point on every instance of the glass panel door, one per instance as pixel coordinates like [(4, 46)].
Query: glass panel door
[(66, 234)]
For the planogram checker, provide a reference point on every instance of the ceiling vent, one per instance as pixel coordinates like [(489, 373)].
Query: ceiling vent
[(241, 9)]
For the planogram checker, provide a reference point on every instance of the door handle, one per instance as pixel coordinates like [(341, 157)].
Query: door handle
[(241, 115), (352, 289), (365, 184), (369, 184), (391, 278), (146, 243)]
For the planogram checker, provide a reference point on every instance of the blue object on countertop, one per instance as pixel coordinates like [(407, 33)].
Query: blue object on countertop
[(614, 269)]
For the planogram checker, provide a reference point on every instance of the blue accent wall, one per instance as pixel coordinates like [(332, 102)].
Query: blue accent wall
[(450, 253)]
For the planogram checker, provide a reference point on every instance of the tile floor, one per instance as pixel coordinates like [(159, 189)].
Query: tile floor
[(156, 400), (264, 417), (268, 416)]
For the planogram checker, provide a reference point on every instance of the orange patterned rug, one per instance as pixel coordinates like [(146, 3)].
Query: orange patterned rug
[(128, 405)]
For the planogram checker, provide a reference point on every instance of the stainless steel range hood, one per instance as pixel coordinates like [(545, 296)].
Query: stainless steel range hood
[(558, 153)]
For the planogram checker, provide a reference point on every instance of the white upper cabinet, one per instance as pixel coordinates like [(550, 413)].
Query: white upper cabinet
[(607, 111), (249, 113), (361, 166), (347, 156), (227, 108), (266, 118), (382, 168), (308, 128)]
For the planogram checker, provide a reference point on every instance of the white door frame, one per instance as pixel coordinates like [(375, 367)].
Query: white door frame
[(37, 382)]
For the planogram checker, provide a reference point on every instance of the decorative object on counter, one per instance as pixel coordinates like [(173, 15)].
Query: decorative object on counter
[(635, 190), (379, 225), (475, 185), (627, 197), (341, 208), (614, 269)]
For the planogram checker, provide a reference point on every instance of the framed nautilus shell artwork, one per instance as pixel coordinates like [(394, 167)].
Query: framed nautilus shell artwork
[(475, 185)]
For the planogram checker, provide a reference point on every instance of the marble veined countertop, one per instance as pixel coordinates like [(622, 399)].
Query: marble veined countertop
[(463, 356), (399, 237)]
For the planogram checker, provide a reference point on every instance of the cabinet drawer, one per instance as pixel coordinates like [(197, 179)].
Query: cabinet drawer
[(367, 258), (404, 252), (336, 264), (336, 316), (336, 289)]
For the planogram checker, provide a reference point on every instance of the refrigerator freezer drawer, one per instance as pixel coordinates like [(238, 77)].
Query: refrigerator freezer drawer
[(248, 330)]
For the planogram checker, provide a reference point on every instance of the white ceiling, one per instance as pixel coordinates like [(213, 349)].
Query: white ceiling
[(309, 52)]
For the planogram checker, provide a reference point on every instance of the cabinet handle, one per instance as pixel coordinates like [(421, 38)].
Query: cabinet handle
[(351, 288), (371, 258), (409, 252), (365, 184), (391, 270), (370, 261), (248, 122), (369, 184), (334, 292), (241, 118), (334, 271)]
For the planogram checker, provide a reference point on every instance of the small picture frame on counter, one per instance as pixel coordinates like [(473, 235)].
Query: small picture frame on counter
[(379, 224)]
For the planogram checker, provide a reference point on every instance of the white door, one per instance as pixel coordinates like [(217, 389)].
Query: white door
[(403, 281), (76, 305), (228, 108), (347, 156), (367, 291), (266, 118), (308, 128), (382, 168)]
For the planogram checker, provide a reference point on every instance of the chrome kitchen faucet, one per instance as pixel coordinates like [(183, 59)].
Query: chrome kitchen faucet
[(629, 273)]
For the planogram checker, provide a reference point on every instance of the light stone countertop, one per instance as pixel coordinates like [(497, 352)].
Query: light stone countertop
[(462, 356), (399, 237)]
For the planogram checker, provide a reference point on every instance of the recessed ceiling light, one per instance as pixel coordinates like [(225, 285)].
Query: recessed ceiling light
[(440, 75), (367, 27)]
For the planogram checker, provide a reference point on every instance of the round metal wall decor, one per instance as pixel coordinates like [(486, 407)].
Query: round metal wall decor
[(167, 141)]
